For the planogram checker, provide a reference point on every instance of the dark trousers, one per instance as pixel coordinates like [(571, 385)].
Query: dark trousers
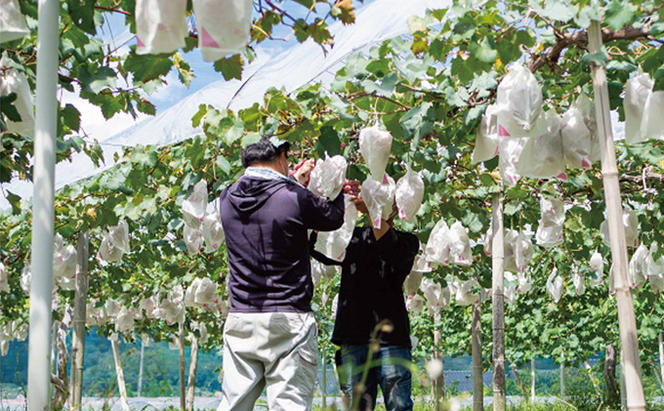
[(387, 369)]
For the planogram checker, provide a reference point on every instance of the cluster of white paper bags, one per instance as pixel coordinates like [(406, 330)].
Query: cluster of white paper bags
[(200, 226), (223, 26)]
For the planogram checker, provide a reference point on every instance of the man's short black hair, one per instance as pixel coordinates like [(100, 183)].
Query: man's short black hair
[(263, 151)]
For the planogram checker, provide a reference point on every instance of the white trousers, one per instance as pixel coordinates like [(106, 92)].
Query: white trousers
[(277, 351)]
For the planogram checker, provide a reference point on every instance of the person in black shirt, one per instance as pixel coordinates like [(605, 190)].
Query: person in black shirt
[(371, 318)]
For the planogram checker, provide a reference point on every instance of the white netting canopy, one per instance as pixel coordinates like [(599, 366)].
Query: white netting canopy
[(293, 68)]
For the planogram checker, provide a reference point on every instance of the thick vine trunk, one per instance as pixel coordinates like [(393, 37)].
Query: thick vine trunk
[(519, 382), (124, 402), (191, 381), (59, 378), (323, 382), (612, 390), (181, 367), (498, 257), (78, 335), (438, 384), (478, 381), (614, 211)]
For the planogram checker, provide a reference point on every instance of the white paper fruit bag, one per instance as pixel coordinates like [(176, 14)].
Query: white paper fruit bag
[(554, 285), (433, 293), (463, 295), (13, 81), (577, 143), (64, 259), (542, 156), (637, 90), (190, 293), (523, 252), (206, 293), (223, 26), (12, 21), (333, 244), (638, 267), (415, 304), (194, 207), (631, 224), (652, 123), (4, 279), (437, 250), (579, 282), (161, 26), (408, 194), (375, 147), (524, 283), (459, 245), (486, 137), (519, 101), (656, 275), (328, 177), (579, 131), (510, 284), (510, 150), (412, 283), (597, 269), (550, 229), (655, 269), (115, 243), (193, 239), (213, 232), (379, 197), (421, 265)]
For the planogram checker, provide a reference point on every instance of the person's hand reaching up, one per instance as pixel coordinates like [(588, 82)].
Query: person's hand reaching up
[(302, 172)]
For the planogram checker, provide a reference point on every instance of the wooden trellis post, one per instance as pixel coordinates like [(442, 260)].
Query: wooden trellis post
[(498, 264), (478, 381), (626, 319), (78, 335)]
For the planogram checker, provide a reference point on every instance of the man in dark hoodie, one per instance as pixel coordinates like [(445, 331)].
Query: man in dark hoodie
[(270, 333)]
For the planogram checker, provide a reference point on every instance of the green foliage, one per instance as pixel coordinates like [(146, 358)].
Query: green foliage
[(429, 92)]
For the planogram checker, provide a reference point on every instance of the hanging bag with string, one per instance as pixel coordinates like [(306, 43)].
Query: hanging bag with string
[(161, 26), (14, 81), (223, 26), (12, 21)]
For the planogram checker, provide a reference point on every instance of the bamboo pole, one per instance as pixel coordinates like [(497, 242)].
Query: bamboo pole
[(78, 335), (623, 388), (323, 382), (498, 257), (181, 367), (191, 380), (124, 402), (39, 343), (438, 385), (626, 319), (478, 382)]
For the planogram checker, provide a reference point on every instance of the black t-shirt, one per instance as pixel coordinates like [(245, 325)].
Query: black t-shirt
[(371, 289)]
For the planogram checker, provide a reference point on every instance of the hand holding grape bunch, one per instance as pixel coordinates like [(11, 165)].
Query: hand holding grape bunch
[(352, 188)]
